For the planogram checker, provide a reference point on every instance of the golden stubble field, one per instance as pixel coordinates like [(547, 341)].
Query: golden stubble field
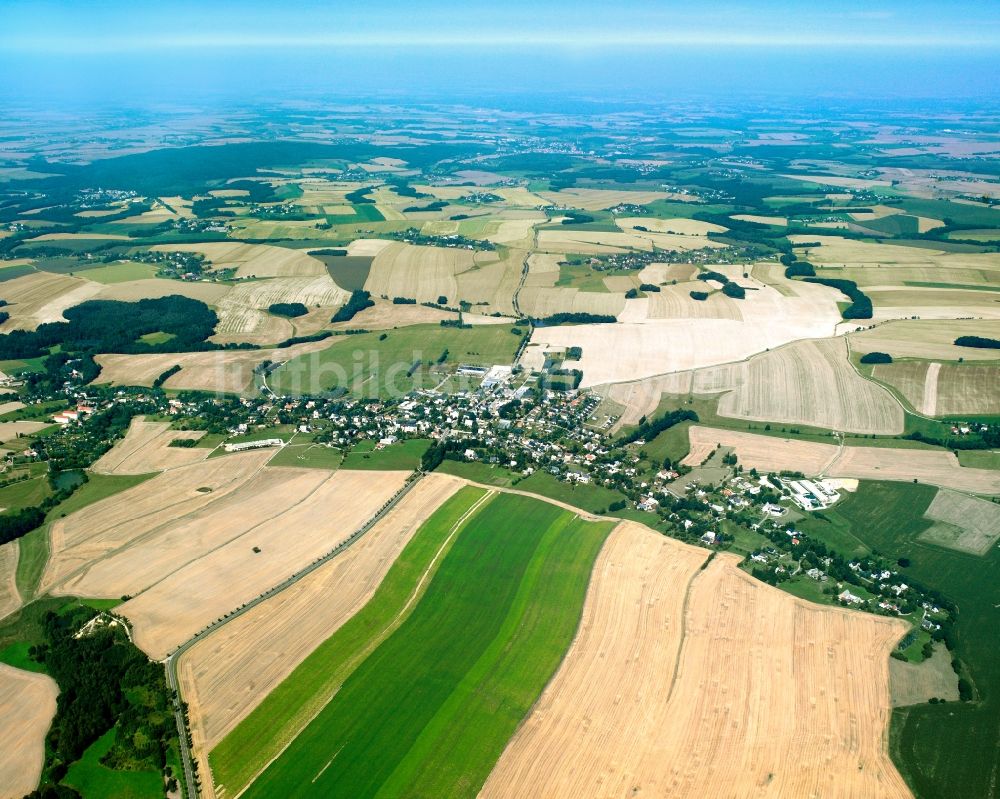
[(10, 598), (807, 382), (229, 673), (689, 681), (27, 705), (146, 448), (774, 454), (201, 540)]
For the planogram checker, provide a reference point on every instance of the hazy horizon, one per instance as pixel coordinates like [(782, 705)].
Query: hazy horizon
[(114, 52)]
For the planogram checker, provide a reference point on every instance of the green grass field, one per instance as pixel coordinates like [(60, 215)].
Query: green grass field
[(24, 494), (950, 749), (122, 273), (430, 710), (259, 737), (315, 456), (372, 366), (403, 456), (591, 498), (95, 781), (979, 458)]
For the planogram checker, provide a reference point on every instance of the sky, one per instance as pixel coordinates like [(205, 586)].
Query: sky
[(141, 49)]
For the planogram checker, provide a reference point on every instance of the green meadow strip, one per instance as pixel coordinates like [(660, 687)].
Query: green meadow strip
[(272, 724), (431, 709)]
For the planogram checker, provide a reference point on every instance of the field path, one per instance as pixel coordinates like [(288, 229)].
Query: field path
[(929, 404)]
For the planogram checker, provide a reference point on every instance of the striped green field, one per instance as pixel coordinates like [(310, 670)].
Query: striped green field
[(427, 708)]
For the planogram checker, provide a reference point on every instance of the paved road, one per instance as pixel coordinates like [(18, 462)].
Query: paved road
[(171, 663)]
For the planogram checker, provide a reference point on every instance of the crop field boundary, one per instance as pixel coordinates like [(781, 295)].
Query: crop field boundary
[(173, 683), (314, 709)]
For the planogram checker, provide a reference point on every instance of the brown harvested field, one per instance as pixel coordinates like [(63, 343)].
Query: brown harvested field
[(10, 598), (936, 467), (769, 317), (915, 683), (600, 199), (385, 315), (680, 226), (641, 397), (568, 240), (12, 430), (807, 382), (303, 529), (9, 407), (42, 297), (153, 287), (228, 371), (967, 389), (780, 221), (27, 705), (927, 338), (909, 378), (253, 260), (961, 522), (676, 302), (146, 448), (92, 533), (690, 682), (773, 454), (417, 272), (905, 303), (228, 674), (243, 312), (180, 542)]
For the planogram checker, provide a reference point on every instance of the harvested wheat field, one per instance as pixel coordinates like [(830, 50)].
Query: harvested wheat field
[(146, 448), (299, 530), (690, 682), (228, 371), (92, 533), (253, 260), (909, 378), (579, 740), (961, 522), (600, 199), (27, 705), (680, 226), (933, 339), (417, 272), (176, 543), (10, 598), (154, 287), (13, 430), (808, 382), (243, 314), (966, 389), (42, 297), (630, 351), (773, 454), (228, 674), (641, 397), (541, 302)]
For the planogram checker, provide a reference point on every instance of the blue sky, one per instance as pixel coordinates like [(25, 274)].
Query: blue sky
[(85, 26), (109, 49)]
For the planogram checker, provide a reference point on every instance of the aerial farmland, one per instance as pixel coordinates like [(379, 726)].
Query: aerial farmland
[(390, 446)]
